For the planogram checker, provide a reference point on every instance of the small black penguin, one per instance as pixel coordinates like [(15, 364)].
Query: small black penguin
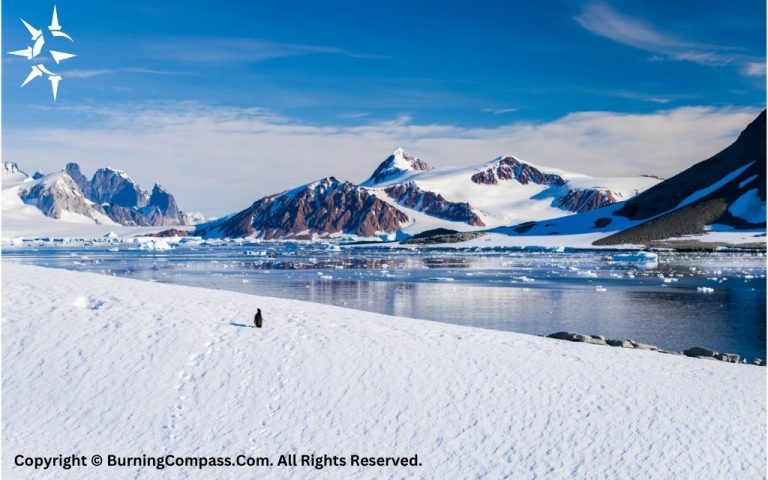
[(258, 320)]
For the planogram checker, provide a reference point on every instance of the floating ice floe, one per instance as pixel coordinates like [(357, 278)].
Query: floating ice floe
[(587, 273), (600, 288), (525, 279), (640, 259), (156, 244), (705, 289)]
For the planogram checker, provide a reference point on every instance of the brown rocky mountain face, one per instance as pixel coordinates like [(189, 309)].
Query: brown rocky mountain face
[(570, 199), (510, 168), (325, 207), (585, 200), (410, 195), (395, 165)]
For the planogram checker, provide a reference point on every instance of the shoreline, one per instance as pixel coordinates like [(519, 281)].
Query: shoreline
[(675, 344), (692, 352), (168, 368)]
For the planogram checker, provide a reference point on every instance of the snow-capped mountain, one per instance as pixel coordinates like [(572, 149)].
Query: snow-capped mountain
[(723, 193), (116, 188), (58, 196), (123, 199), (195, 218), (111, 197), (397, 165), (326, 207), (504, 191), (406, 195)]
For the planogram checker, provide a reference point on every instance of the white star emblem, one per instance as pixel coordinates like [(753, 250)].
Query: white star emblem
[(32, 51)]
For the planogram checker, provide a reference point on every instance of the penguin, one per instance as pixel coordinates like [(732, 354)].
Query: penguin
[(258, 320)]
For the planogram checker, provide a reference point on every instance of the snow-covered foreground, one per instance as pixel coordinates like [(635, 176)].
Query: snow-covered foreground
[(96, 364)]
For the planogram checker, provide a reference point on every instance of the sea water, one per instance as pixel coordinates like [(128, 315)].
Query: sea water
[(676, 301)]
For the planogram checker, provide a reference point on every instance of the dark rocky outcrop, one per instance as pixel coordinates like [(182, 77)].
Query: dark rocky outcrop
[(661, 204), (171, 232), (701, 352), (73, 170), (440, 236), (116, 188), (162, 208), (409, 195), (695, 352), (326, 207)]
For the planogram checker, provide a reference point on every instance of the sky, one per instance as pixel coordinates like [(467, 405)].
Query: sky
[(224, 102)]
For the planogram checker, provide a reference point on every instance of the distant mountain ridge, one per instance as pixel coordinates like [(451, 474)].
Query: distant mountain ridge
[(406, 195), (109, 197)]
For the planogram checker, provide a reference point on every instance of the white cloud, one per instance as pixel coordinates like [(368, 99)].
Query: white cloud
[(604, 21), (219, 159), (754, 69)]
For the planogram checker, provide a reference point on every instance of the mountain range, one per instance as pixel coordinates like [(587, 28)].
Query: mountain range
[(110, 197), (407, 196)]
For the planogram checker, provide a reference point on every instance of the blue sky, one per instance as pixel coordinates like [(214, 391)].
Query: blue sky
[(341, 68)]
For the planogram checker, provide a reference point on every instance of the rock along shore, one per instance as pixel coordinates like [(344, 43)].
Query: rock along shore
[(695, 352)]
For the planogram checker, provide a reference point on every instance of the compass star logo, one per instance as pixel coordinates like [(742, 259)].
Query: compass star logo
[(33, 51)]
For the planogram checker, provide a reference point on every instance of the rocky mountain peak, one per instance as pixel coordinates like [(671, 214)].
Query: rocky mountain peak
[(397, 164), (116, 187), (57, 193), (12, 168), (73, 170), (510, 168)]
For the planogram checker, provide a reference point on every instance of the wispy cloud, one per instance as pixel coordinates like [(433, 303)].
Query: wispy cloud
[(220, 159), (111, 71), (603, 20), (754, 69), (354, 115), (632, 95), (222, 50), (499, 111)]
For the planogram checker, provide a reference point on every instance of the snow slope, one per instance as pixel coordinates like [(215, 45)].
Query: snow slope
[(95, 364)]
